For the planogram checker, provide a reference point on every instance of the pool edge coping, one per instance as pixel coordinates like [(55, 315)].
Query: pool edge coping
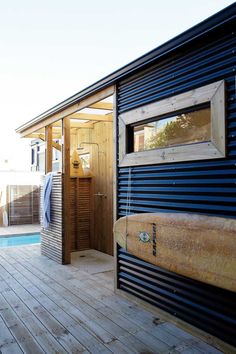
[(23, 234)]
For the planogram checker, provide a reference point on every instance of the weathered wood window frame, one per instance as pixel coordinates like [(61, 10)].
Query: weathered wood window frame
[(214, 94)]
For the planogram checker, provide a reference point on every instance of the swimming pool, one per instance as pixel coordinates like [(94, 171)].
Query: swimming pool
[(18, 240)]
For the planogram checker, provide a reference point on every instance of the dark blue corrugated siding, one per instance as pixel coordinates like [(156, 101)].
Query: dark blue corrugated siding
[(209, 308), (202, 187), (207, 187)]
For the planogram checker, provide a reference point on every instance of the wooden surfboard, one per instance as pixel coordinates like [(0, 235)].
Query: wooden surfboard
[(196, 246)]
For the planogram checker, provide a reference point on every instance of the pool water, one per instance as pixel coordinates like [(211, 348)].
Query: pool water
[(17, 240)]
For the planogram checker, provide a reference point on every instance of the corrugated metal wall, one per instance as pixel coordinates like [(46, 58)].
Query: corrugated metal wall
[(202, 187), (207, 187), (209, 308)]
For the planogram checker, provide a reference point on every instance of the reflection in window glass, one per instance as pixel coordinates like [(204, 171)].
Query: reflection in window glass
[(186, 128)]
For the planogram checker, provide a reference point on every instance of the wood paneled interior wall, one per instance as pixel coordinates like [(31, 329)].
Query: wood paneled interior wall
[(101, 167)]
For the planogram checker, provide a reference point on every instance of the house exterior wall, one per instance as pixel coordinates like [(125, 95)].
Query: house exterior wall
[(206, 187), (202, 187)]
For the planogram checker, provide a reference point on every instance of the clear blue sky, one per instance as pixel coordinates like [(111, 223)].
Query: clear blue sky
[(53, 49)]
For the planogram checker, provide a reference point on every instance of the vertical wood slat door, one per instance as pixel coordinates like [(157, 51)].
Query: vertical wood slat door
[(52, 237), (83, 215), (81, 206)]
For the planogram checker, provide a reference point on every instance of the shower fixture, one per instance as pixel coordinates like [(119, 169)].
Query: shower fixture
[(79, 148)]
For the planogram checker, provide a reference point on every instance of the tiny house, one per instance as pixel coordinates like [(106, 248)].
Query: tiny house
[(157, 135)]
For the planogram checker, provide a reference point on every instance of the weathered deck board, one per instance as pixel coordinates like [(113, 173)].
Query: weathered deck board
[(8, 343), (65, 309)]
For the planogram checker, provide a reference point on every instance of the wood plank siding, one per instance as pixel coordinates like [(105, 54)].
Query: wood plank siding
[(52, 238), (99, 145), (80, 209), (81, 213)]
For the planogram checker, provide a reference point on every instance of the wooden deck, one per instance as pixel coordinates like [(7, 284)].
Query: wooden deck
[(49, 308)]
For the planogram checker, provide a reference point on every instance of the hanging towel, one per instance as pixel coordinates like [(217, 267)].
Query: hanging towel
[(47, 189)]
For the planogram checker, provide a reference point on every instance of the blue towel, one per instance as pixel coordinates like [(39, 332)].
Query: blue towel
[(47, 189)]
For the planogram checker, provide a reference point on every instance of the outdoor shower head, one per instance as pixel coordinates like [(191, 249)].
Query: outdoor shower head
[(80, 147)]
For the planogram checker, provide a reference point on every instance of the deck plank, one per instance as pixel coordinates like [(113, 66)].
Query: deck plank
[(45, 339), (65, 309), (53, 326), (144, 318), (96, 321), (118, 330), (18, 330), (7, 341)]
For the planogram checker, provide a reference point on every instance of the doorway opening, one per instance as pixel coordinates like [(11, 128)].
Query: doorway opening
[(78, 150), (91, 169)]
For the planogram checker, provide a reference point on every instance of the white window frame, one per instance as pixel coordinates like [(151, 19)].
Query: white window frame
[(214, 94)]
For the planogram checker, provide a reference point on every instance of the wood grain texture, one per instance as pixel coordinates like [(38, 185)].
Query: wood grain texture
[(198, 151), (218, 119), (73, 213), (196, 246), (213, 93), (23, 204), (115, 178), (83, 213), (52, 238), (66, 214), (101, 160), (171, 104), (48, 149), (39, 123), (64, 309), (93, 117), (80, 196)]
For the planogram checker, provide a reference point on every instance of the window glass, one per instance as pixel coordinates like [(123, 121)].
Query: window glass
[(181, 129)]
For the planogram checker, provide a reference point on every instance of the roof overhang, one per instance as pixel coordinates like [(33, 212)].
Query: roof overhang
[(68, 110)]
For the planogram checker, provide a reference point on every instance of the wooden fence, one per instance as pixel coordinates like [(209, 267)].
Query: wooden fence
[(22, 204)]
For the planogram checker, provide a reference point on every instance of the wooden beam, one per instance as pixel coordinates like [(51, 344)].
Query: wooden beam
[(66, 208), (93, 117), (48, 149), (102, 105), (54, 144), (88, 125), (81, 125), (114, 182), (36, 124), (40, 131), (42, 137)]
